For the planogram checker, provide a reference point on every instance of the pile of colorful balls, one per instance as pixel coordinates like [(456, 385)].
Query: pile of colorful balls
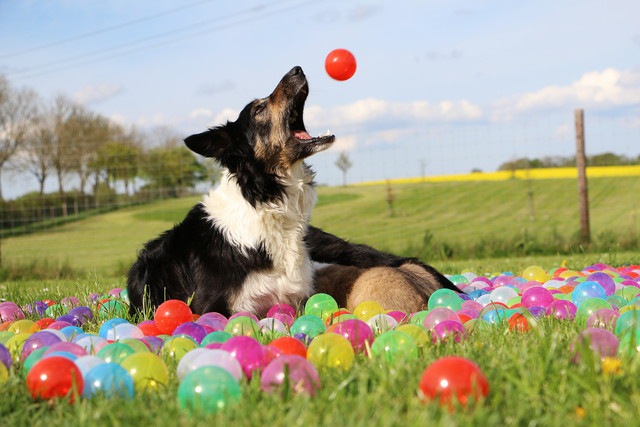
[(69, 350)]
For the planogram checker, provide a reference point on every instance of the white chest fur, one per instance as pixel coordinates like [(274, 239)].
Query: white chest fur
[(279, 228)]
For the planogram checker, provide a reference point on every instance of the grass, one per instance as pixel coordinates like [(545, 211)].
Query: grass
[(531, 377), (438, 222)]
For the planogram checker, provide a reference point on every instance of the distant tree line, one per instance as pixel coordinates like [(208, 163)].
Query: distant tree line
[(604, 159), (65, 141)]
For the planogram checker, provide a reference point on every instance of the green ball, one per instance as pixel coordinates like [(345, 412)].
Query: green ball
[(445, 298), (321, 305), (590, 306), (208, 389), (112, 308), (308, 324), (394, 347), (243, 325), (176, 347), (216, 336), (115, 352), (31, 360), (628, 321)]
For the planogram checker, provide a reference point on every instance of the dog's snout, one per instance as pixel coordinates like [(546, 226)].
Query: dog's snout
[(295, 71)]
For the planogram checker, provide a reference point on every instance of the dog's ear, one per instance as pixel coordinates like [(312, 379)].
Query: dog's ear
[(212, 143)]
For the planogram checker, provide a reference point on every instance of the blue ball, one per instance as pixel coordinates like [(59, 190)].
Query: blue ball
[(585, 290), (108, 379)]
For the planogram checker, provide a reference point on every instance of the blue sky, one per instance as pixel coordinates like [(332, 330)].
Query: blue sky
[(441, 86)]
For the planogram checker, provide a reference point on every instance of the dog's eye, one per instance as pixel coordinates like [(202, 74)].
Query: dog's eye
[(259, 109)]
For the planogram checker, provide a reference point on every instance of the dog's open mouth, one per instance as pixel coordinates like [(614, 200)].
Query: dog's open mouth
[(296, 122)]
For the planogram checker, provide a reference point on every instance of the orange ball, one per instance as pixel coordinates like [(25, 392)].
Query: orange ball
[(170, 314)]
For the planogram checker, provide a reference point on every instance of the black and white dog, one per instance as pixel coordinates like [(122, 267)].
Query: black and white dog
[(248, 245)]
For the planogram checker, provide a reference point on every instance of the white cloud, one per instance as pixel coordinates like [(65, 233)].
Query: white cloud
[(594, 90), (97, 93)]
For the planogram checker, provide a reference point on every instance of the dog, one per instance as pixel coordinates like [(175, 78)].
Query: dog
[(249, 244)]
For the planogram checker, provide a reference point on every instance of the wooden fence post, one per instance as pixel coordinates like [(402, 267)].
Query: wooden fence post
[(581, 165)]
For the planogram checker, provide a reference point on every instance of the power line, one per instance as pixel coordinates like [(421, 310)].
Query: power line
[(102, 30), (80, 60)]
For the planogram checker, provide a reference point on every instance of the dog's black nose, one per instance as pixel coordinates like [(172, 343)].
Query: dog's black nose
[(296, 71)]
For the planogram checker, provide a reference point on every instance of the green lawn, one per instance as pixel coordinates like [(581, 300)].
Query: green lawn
[(472, 218)]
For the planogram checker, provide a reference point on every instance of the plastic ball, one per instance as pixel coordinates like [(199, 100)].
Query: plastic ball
[(36, 341), (590, 306), (448, 330), (627, 322), (331, 351), (357, 332), (561, 309), (603, 280), (23, 325), (124, 330), (176, 347), (394, 347), (10, 311), (109, 325), (5, 356), (438, 315), (147, 370), (115, 352), (290, 373), (309, 325), (535, 273), (192, 330), (92, 344), (112, 308), (208, 389), (215, 337), (537, 296), (221, 359), (604, 318), (108, 379), (600, 342), (215, 321), (32, 359), (445, 298), (321, 305), (367, 309), (272, 325), (281, 308), (248, 351), (170, 314), (453, 378), (289, 346), (381, 323), (85, 363), (340, 64), (587, 290), (55, 377), (243, 325), (4, 374), (418, 333)]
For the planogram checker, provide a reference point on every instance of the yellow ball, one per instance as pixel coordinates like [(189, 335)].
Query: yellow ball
[(535, 273), (176, 347), (23, 325), (4, 374), (331, 351), (416, 332), (147, 370), (16, 343), (367, 309)]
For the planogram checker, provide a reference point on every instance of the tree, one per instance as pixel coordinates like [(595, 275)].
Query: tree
[(18, 108), (34, 155), (65, 134), (344, 164), (172, 168)]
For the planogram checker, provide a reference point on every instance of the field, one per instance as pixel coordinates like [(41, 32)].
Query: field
[(532, 378), (438, 222)]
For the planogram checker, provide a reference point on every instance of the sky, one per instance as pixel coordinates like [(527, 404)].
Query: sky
[(442, 87)]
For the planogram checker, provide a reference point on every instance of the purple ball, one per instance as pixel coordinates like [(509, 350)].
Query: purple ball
[(36, 341), (5, 356), (82, 314), (70, 302), (248, 351), (73, 321), (604, 318), (191, 329), (154, 343), (537, 311), (300, 374), (605, 281), (562, 309), (215, 321), (37, 307)]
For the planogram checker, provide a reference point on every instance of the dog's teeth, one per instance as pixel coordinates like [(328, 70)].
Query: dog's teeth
[(328, 132)]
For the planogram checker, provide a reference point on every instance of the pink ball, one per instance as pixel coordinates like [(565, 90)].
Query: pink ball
[(537, 296), (449, 329), (10, 312), (357, 332), (301, 375), (562, 309), (248, 351), (192, 330), (438, 315), (282, 308), (215, 321)]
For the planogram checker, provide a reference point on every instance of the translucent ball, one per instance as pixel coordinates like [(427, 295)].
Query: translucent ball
[(148, 371), (536, 273), (358, 333), (382, 323), (367, 309), (108, 379), (331, 351), (309, 324), (394, 347), (537, 296), (586, 290), (207, 390), (600, 342), (445, 298), (247, 351), (321, 305), (290, 374), (438, 315), (242, 325)]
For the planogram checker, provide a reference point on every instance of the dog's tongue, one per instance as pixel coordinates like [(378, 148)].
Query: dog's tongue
[(300, 134)]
